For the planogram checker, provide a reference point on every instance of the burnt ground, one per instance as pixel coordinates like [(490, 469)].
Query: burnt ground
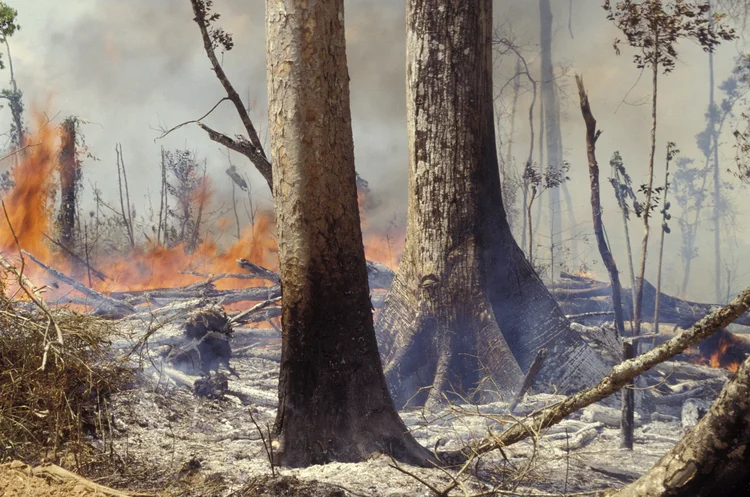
[(175, 432), (173, 442)]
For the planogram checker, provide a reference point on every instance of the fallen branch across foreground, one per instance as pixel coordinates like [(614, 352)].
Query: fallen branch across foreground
[(610, 384)]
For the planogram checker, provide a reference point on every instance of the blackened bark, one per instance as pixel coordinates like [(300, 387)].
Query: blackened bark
[(592, 134), (69, 169), (333, 400), (462, 278)]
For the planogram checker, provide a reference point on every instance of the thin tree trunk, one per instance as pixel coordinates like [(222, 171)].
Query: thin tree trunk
[(552, 133), (529, 159), (712, 110), (661, 246), (15, 104), (69, 170), (333, 400), (162, 202), (647, 207), (628, 247), (592, 135), (122, 180)]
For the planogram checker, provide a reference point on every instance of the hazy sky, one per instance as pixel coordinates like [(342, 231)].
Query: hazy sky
[(131, 66)]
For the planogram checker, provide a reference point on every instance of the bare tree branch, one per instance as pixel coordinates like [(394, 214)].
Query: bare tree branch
[(254, 145)]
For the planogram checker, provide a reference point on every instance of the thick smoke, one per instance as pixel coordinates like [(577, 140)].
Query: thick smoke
[(130, 67)]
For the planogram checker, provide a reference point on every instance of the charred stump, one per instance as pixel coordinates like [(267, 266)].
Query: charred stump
[(208, 332)]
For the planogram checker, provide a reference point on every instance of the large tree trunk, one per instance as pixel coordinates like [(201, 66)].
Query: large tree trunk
[(462, 277), (333, 400), (712, 460)]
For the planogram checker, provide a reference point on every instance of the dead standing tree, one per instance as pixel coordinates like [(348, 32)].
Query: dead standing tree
[(333, 400), (70, 176), (653, 28), (592, 135), (465, 303)]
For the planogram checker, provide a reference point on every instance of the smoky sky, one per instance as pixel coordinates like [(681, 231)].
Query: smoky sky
[(132, 67)]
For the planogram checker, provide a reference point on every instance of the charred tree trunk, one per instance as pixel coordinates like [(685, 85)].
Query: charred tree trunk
[(462, 278), (712, 460), (592, 135), (333, 400), (69, 175)]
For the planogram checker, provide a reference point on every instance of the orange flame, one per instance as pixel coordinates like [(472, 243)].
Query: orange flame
[(30, 207), (29, 203)]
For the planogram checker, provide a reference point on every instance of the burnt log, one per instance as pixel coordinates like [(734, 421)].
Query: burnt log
[(104, 305), (597, 298)]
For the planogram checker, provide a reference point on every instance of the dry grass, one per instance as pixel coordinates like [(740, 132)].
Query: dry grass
[(46, 413)]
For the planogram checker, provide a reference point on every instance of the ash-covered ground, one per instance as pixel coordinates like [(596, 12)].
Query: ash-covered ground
[(213, 445)]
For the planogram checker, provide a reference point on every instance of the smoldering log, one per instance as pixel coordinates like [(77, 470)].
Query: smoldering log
[(597, 299), (106, 306)]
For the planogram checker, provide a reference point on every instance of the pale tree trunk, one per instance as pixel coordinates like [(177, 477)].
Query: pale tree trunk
[(552, 134), (712, 460), (333, 400), (647, 207), (661, 245), (712, 111), (462, 278)]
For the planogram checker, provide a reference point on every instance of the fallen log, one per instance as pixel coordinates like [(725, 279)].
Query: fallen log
[(107, 307), (239, 317), (379, 275), (597, 299), (618, 377), (258, 270)]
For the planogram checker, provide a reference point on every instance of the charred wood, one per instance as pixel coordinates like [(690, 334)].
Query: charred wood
[(106, 306), (671, 309)]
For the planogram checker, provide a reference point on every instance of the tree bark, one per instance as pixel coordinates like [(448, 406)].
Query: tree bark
[(333, 400), (69, 169), (462, 278), (712, 460), (592, 134)]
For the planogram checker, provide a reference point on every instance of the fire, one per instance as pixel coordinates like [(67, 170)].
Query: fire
[(29, 204), (149, 265), (725, 343), (383, 246), (721, 350), (30, 209)]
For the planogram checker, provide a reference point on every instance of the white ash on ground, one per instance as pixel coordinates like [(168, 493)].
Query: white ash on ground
[(163, 424)]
